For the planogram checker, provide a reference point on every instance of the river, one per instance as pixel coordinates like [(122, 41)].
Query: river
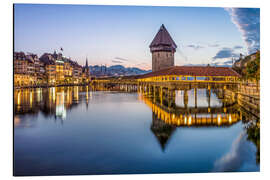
[(80, 130)]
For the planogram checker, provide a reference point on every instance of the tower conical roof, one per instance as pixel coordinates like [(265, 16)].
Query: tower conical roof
[(163, 41), (162, 131)]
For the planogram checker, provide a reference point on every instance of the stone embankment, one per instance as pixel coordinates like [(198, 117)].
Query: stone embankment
[(247, 96)]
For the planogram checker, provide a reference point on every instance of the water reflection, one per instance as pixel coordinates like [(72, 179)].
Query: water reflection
[(181, 109), (219, 114), (241, 156), (54, 101), (170, 113)]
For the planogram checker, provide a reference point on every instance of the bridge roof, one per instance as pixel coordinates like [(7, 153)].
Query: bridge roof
[(193, 71)]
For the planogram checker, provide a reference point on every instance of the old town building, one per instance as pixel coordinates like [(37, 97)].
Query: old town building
[(24, 70), (68, 70), (243, 61), (77, 73), (49, 70)]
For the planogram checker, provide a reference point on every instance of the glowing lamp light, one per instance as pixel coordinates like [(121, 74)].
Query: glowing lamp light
[(189, 120), (230, 118), (219, 119), (19, 98)]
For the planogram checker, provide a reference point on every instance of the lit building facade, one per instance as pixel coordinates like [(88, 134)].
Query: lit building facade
[(48, 70), (24, 70)]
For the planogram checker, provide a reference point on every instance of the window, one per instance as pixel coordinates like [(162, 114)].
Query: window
[(190, 78), (201, 78)]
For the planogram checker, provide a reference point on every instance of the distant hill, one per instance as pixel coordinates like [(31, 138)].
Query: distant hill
[(116, 70)]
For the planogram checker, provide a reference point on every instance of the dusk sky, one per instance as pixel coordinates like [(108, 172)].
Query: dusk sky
[(122, 34)]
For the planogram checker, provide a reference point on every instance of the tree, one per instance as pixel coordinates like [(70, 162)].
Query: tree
[(253, 68)]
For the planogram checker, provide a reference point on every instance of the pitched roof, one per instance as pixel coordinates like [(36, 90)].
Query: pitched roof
[(163, 38), (193, 71), (19, 56), (47, 58)]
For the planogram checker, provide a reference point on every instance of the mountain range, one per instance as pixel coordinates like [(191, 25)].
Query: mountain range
[(116, 70)]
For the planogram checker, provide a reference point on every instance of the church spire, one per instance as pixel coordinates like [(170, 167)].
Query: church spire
[(86, 63)]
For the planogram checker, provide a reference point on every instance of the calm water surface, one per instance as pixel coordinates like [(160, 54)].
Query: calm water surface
[(74, 130)]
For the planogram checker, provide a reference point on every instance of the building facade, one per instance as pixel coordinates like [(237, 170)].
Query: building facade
[(243, 61), (162, 48), (24, 70), (48, 70)]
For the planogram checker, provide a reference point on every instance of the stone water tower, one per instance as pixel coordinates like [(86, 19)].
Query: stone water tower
[(162, 48)]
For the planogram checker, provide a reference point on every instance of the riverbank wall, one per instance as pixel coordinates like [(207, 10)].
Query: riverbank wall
[(247, 96)]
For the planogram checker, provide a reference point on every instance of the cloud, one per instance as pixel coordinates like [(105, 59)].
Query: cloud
[(238, 47), (195, 47), (121, 59), (240, 158), (247, 20), (228, 62), (115, 61), (225, 53), (213, 45)]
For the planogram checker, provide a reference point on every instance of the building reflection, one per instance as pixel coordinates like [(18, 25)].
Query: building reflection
[(54, 101), (170, 113), (182, 109)]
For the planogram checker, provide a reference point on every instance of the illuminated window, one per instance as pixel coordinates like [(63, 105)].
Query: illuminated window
[(201, 78)]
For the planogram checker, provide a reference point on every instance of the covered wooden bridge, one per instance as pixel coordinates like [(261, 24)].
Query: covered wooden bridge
[(179, 77), (203, 74)]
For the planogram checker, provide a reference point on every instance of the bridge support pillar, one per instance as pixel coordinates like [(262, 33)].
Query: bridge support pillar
[(209, 97), (186, 98), (195, 97), (169, 97), (161, 95), (154, 91)]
